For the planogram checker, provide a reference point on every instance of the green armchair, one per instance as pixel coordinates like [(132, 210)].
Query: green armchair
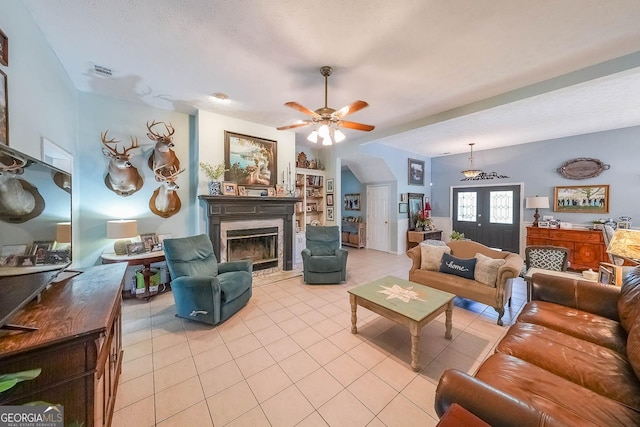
[(203, 289), (323, 261)]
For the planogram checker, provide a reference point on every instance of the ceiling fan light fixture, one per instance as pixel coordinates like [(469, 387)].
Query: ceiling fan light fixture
[(313, 137), (326, 140), (323, 132), (338, 136)]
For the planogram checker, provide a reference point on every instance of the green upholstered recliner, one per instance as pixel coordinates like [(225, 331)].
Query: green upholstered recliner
[(323, 261), (203, 289)]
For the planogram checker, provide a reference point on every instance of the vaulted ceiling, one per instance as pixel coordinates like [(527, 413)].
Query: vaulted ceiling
[(437, 74)]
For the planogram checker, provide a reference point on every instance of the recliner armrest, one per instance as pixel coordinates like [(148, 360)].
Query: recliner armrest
[(186, 282), (239, 265), (486, 402)]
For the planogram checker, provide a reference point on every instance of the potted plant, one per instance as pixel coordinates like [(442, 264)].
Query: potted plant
[(214, 173), (456, 235), (423, 222)]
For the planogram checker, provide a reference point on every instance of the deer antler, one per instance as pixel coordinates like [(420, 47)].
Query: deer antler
[(156, 135), (173, 173), (103, 138), (134, 145)]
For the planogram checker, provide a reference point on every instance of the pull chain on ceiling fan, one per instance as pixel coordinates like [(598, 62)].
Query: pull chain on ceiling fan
[(326, 120)]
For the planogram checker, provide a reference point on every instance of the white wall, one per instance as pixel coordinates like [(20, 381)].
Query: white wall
[(209, 143)]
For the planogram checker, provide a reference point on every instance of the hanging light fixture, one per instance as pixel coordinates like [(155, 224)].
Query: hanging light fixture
[(471, 172)]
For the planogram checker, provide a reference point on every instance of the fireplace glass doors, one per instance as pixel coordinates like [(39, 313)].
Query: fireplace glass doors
[(258, 244)]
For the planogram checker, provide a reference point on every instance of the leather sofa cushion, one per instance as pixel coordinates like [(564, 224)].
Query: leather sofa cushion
[(629, 300), (584, 363), (431, 255), (580, 324), (568, 402)]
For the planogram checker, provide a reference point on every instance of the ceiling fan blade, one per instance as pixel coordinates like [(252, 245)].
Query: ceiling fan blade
[(301, 108), (350, 109), (357, 126), (296, 125)]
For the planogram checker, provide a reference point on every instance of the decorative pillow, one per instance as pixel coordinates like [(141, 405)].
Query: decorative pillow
[(432, 242), (458, 266), (431, 256), (486, 271)]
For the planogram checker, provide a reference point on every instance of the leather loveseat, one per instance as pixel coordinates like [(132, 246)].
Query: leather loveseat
[(496, 295), (571, 358)]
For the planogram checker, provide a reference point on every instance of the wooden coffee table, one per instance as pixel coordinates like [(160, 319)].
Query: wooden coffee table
[(407, 303)]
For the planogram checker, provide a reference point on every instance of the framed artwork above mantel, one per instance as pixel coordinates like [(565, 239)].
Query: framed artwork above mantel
[(250, 161)]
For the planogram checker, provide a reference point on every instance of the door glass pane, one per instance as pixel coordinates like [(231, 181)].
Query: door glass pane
[(501, 207), (467, 206)]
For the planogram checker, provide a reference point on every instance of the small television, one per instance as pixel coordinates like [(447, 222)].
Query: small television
[(35, 228)]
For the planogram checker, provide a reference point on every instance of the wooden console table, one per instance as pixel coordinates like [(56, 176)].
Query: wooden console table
[(415, 237), (77, 344), (586, 247)]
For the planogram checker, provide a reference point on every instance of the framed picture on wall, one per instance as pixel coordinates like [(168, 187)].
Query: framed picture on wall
[(352, 202), (329, 185), (416, 172), (4, 110), (330, 214), (4, 49), (403, 207), (329, 199), (249, 160), (581, 199)]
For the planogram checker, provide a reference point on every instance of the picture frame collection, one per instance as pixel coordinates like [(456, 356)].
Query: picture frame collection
[(41, 252), (149, 242)]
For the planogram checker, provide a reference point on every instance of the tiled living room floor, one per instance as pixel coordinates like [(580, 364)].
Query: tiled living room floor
[(289, 359)]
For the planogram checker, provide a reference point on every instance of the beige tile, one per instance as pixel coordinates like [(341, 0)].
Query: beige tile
[(324, 352), (313, 420), (169, 325), (137, 324), (345, 340), (282, 348), (233, 331), (268, 382), (142, 414), (270, 306), (231, 403), (367, 355), (134, 351), (169, 340), (253, 418), (287, 408), (219, 378), (422, 393), (211, 358), (394, 373), (170, 355), (312, 317), (298, 366), (307, 337), (475, 345), (376, 423), (280, 315), (254, 362), (177, 398), (345, 410), (270, 334), (243, 345), (300, 308), (374, 393), (136, 337), (292, 325), (402, 413), (174, 374), (196, 415), (204, 340), (345, 369), (136, 368), (259, 322), (133, 391), (327, 327), (319, 386)]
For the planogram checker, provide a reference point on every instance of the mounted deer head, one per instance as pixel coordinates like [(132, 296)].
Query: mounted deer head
[(164, 201), (162, 151), (122, 177), (19, 200)]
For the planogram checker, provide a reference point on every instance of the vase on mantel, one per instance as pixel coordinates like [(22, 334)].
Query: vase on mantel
[(215, 188)]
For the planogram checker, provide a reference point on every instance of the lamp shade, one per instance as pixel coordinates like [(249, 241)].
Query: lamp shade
[(537, 202), (625, 243), (122, 229), (63, 232)]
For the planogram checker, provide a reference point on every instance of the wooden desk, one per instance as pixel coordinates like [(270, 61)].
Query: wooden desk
[(145, 259), (77, 345), (415, 237)]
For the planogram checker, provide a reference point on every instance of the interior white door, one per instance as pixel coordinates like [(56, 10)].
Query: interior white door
[(378, 217)]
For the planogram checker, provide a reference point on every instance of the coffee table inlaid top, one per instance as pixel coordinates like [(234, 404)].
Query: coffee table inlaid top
[(409, 299)]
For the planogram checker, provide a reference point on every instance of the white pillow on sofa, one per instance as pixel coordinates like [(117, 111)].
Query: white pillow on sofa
[(486, 271), (430, 256)]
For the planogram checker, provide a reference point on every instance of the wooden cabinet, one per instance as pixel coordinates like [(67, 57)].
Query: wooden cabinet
[(78, 346), (415, 237), (309, 187), (354, 234), (586, 247)]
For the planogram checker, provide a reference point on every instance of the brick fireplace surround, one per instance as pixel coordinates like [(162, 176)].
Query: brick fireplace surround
[(242, 208)]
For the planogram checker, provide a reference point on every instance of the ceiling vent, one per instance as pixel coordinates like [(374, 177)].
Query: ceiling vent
[(104, 71)]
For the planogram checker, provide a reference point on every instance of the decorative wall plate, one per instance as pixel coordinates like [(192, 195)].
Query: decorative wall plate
[(582, 168)]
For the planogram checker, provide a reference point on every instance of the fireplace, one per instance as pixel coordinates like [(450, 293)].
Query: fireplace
[(258, 244), (228, 213)]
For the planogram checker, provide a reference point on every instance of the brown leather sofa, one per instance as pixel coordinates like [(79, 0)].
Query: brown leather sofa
[(496, 296), (571, 358)]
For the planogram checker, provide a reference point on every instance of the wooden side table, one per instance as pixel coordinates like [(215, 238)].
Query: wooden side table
[(415, 237), (145, 259)]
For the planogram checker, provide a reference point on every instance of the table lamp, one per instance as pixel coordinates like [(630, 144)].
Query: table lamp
[(537, 203), (63, 234), (123, 230), (625, 244)]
